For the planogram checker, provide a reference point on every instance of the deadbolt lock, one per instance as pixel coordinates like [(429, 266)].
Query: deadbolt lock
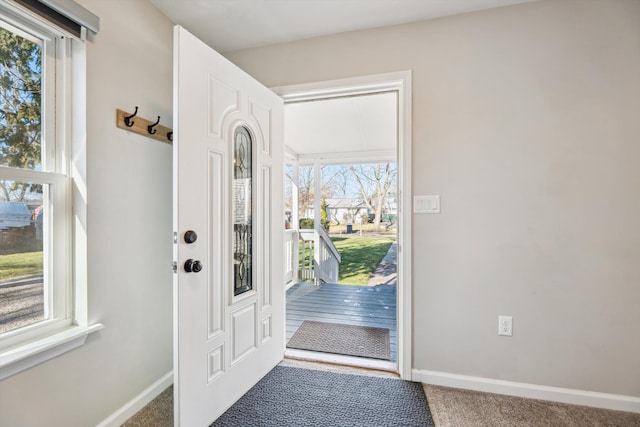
[(190, 236)]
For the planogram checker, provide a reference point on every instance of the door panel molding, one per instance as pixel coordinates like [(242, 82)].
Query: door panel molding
[(217, 277), (216, 363), (228, 95), (243, 332), (262, 116)]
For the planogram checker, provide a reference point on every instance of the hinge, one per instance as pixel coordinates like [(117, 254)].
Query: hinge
[(175, 267), (175, 237)]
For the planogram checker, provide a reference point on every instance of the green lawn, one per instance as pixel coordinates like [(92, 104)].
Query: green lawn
[(22, 264), (360, 257)]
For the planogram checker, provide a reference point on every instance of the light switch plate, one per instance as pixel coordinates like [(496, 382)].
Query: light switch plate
[(426, 204)]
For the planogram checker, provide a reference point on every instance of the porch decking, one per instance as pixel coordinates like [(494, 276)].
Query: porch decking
[(373, 306)]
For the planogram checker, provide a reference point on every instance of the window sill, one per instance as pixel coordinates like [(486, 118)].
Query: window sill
[(17, 359)]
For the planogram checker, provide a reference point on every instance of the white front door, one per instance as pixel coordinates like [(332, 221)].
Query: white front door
[(228, 219)]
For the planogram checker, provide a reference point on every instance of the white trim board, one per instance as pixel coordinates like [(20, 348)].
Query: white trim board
[(531, 391), (340, 359), (38, 351), (132, 407)]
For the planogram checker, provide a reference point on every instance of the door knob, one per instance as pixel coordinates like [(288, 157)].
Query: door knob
[(192, 266), (190, 236)]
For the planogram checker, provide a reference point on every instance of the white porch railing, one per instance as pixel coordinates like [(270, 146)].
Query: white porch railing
[(290, 256), (329, 264), (319, 257), (307, 254)]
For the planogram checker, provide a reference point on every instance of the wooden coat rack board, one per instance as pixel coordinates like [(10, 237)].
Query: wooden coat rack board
[(133, 123)]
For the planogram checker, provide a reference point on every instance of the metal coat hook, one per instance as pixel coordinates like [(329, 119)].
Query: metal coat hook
[(143, 126), (127, 120), (151, 129)]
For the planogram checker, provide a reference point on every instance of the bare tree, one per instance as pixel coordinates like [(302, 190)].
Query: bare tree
[(339, 180), (375, 181), (306, 187)]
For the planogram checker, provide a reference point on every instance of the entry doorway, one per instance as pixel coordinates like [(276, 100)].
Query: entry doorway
[(317, 155), (344, 302)]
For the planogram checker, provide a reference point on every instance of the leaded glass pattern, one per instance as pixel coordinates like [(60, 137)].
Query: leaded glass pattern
[(242, 210)]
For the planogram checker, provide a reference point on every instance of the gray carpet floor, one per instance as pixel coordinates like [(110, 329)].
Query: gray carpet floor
[(449, 407), (158, 413), (452, 407)]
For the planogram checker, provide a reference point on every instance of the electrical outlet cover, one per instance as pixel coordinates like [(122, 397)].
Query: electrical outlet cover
[(505, 326)]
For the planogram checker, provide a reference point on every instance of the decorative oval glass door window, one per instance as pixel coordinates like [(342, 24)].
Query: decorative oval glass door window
[(242, 210)]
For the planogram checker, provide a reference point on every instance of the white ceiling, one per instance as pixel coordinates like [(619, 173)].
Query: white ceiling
[(343, 129), (228, 25)]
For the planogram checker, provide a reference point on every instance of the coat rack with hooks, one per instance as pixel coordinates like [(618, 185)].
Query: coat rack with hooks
[(134, 123)]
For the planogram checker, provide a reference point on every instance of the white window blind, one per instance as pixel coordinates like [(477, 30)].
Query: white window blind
[(64, 14)]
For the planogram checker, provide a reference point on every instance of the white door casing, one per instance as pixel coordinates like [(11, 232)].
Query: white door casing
[(399, 81), (223, 344)]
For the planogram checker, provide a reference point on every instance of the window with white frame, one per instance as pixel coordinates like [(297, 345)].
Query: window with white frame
[(34, 183), (38, 248)]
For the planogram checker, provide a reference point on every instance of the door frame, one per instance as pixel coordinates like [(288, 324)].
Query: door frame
[(399, 82)]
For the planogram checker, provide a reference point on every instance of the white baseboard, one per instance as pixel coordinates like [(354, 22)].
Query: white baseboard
[(531, 391), (130, 408)]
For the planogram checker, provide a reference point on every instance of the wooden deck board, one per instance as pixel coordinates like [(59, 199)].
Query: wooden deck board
[(346, 319), (373, 306), (384, 310)]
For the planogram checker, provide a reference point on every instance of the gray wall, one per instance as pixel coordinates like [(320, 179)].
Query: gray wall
[(129, 233), (525, 121)]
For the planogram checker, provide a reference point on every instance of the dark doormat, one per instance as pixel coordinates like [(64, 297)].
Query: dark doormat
[(302, 397), (336, 338)]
